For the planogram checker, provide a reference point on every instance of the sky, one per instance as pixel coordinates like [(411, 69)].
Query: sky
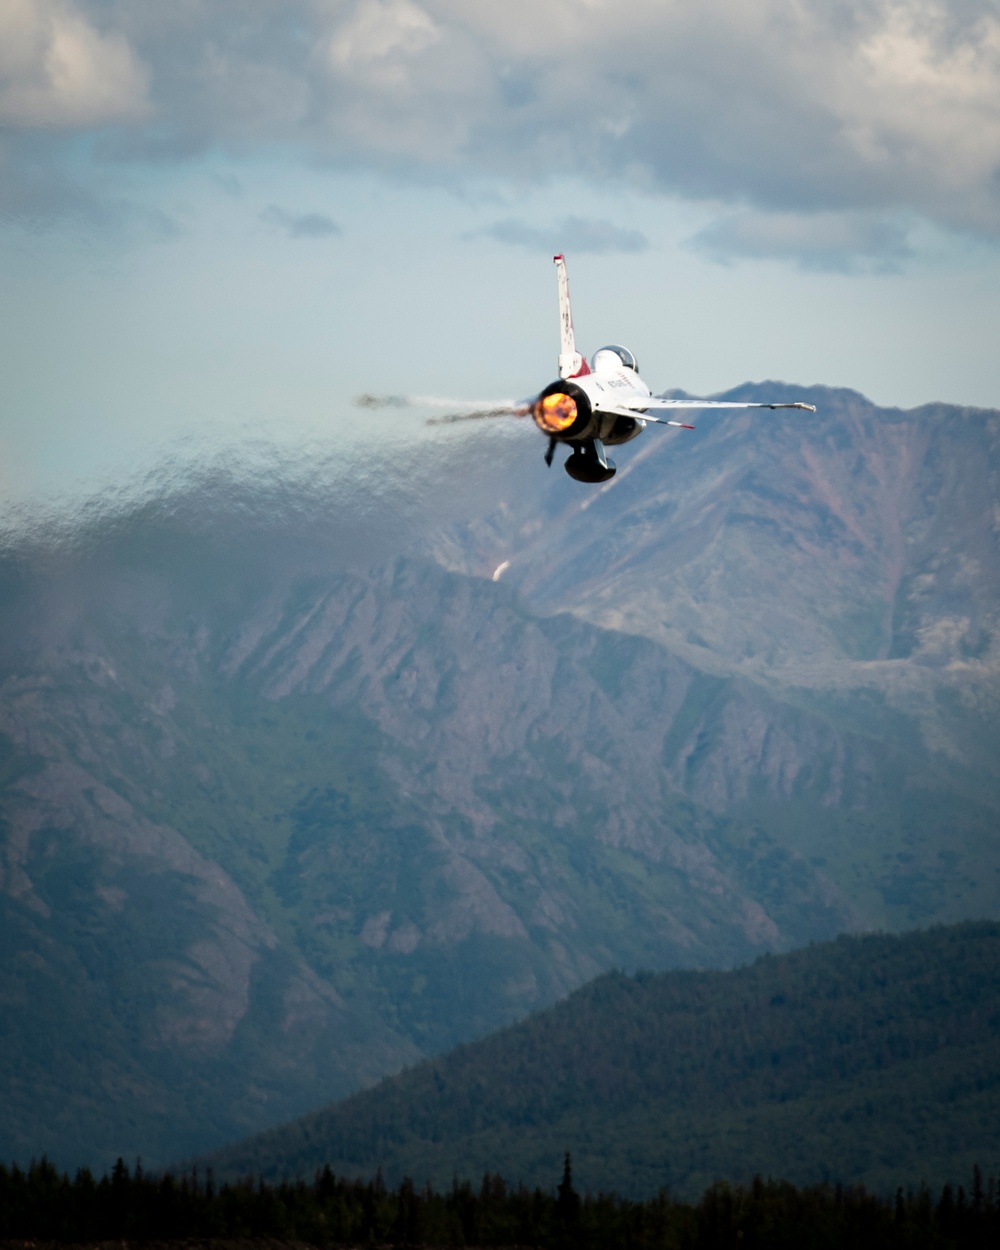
[(220, 222)]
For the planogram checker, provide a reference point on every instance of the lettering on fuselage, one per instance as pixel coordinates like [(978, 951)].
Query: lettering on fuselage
[(615, 385)]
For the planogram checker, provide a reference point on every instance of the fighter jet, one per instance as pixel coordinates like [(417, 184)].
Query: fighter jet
[(605, 402)]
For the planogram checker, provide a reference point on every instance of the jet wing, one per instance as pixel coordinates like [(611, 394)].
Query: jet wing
[(641, 405)]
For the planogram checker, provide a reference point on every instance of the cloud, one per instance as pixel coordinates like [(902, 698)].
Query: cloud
[(379, 32), (300, 225), (873, 107), (58, 70), (848, 242), (572, 234)]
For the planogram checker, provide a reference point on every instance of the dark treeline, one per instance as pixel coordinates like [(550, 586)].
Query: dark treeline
[(41, 1204)]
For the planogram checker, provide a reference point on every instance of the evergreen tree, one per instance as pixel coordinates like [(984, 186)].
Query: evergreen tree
[(568, 1202)]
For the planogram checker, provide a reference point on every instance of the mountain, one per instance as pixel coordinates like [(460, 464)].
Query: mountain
[(852, 550), (869, 1060), (287, 804)]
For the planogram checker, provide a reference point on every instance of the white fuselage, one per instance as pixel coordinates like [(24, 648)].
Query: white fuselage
[(608, 389), (606, 401)]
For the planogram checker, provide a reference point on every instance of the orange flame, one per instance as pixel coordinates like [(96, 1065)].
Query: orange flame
[(555, 413)]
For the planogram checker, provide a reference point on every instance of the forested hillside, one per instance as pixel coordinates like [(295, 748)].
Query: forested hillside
[(868, 1059)]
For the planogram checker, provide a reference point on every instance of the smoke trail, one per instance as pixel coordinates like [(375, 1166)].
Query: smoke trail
[(431, 401), (477, 415), (382, 401)]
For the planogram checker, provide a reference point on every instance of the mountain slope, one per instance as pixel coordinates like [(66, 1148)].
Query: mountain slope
[(284, 809), (284, 849), (868, 1060)]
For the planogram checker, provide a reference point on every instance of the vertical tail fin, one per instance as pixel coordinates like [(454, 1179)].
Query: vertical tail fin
[(571, 363)]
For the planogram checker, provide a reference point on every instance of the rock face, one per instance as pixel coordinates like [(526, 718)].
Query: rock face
[(277, 820)]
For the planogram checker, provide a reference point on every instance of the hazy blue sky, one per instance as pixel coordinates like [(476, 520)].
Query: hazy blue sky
[(222, 220)]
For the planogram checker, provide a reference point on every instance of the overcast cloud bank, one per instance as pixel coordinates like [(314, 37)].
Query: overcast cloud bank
[(830, 120)]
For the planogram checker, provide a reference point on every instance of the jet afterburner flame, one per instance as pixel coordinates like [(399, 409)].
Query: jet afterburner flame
[(554, 413)]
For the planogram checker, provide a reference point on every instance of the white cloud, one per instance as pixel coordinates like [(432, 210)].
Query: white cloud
[(785, 106), (381, 33), (58, 70)]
